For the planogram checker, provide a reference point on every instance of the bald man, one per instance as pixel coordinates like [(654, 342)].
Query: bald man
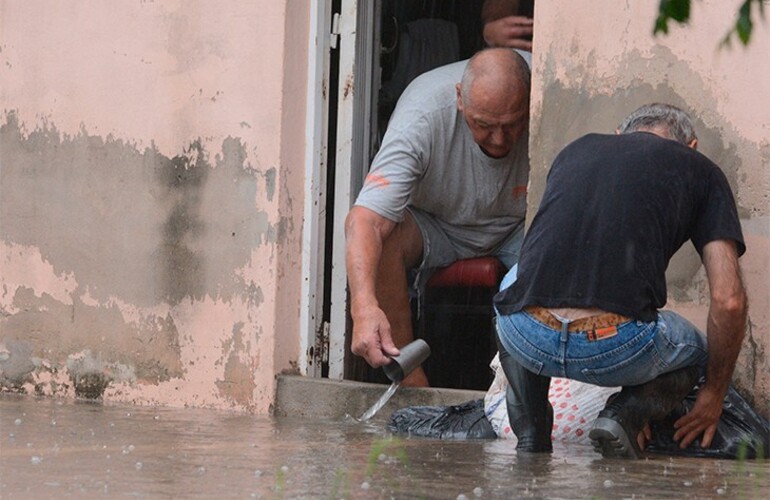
[(449, 182)]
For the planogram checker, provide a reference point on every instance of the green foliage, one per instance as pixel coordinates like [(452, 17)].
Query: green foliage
[(679, 11), (341, 487), (381, 446), (396, 451), (280, 481)]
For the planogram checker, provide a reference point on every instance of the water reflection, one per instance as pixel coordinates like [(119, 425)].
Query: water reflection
[(53, 449)]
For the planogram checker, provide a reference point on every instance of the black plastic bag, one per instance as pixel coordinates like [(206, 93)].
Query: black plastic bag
[(741, 431), (464, 421)]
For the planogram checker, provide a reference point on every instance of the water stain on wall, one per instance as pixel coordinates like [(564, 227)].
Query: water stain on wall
[(133, 224), (57, 330), (178, 266), (135, 229)]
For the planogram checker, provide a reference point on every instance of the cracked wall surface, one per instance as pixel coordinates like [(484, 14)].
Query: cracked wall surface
[(590, 71), (148, 222)]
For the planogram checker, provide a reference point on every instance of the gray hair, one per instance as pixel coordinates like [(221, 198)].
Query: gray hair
[(669, 120)]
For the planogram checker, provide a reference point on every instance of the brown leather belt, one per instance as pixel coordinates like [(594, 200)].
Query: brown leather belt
[(591, 323)]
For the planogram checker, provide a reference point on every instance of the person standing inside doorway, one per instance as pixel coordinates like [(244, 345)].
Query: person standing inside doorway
[(448, 183)]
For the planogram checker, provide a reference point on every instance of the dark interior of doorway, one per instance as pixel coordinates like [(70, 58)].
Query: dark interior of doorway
[(416, 36)]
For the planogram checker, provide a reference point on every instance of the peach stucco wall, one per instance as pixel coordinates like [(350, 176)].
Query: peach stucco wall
[(595, 61), (151, 184)]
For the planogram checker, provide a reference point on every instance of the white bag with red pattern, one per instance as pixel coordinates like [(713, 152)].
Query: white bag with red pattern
[(575, 406)]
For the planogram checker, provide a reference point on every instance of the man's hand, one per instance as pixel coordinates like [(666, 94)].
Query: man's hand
[(644, 437), (725, 328), (510, 31), (371, 337), (702, 419)]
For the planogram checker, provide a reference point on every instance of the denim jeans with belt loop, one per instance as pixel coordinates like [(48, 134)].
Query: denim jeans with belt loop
[(638, 353)]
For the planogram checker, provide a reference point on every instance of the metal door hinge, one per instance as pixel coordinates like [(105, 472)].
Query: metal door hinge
[(335, 33)]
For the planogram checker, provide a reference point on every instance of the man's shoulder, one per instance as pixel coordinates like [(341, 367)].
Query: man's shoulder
[(429, 99), (452, 72), (588, 142), (629, 141), (434, 88)]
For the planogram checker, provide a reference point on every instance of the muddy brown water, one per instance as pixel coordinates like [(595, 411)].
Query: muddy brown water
[(65, 449)]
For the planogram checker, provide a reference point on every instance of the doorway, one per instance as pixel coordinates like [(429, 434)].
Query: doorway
[(384, 44)]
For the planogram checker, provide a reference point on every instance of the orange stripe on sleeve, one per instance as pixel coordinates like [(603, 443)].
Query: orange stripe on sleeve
[(379, 180)]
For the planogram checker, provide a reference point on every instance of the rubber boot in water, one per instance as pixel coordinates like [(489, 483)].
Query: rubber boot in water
[(529, 411), (615, 430)]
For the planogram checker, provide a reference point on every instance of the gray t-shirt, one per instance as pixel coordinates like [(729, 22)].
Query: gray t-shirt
[(428, 160)]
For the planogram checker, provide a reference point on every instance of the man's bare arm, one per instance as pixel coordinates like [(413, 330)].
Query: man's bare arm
[(365, 232), (725, 330)]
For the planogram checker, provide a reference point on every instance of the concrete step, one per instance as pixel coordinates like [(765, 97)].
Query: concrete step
[(299, 396)]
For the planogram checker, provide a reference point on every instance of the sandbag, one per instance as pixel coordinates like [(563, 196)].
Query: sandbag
[(741, 431), (464, 421)]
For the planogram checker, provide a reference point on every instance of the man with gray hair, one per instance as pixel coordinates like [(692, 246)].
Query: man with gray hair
[(586, 303), (449, 182)]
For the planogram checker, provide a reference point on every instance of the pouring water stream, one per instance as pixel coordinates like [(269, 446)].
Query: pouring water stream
[(368, 414), (410, 357)]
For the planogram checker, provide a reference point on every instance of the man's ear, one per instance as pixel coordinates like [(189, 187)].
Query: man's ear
[(459, 89), (693, 144)]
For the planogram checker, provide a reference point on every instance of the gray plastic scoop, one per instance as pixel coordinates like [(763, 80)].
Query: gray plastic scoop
[(412, 355)]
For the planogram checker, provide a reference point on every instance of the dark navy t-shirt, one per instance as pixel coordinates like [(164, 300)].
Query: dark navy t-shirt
[(614, 211)]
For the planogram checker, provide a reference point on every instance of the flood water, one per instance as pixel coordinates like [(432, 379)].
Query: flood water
[(64, 449)]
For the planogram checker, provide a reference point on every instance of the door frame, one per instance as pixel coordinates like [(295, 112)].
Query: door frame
[(312, 338), (359, 74), (355, 31)]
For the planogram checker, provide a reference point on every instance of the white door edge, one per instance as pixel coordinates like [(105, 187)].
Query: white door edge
[(342, 194), (313, 232)]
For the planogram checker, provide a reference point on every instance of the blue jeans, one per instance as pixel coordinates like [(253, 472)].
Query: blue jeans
[(640, 352)]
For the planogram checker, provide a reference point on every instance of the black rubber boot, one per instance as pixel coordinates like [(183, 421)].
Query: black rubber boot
[(529, 411), (615, 430)]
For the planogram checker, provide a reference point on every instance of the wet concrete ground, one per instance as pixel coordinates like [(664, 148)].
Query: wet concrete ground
[(65, 449)]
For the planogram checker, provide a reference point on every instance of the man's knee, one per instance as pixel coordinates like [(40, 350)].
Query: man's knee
[(404, 242)]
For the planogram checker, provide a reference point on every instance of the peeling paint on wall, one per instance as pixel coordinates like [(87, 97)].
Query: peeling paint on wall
[(237, 383), (106, 246), (144, 184)]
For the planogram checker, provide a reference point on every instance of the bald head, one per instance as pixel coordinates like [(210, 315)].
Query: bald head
[(493, 97), (499, 71)]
